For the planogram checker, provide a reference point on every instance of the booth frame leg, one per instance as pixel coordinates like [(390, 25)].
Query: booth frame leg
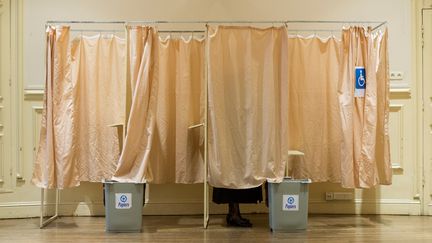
[(42, 222)]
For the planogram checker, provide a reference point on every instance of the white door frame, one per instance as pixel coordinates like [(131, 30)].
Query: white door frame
[(426, 110)]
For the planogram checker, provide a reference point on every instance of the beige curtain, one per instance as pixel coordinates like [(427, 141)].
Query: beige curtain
[(98, 72), (314, 118), (248, 105), (84, 94), (137, 36), (159, 147), (382, 153), (365, 159), (55, 166)]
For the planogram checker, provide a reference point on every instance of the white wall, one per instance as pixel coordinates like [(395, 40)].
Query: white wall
[(400, 198), (396, 12)]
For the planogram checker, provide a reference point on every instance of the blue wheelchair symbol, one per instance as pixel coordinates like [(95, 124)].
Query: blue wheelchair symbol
[(290, 200), (123, 198), (361, 80), (360, 74)]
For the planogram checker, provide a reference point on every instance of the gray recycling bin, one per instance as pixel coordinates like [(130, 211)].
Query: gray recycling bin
[(123, 206), (288, 205)]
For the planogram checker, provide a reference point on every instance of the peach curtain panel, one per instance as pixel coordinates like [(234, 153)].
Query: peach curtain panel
[(365, 153), (314, 118), (248, 105), (344, 138), (55, 166), (167, 99), (84, 94)]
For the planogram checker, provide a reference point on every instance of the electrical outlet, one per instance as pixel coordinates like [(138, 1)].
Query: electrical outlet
[(331, 196), (343, 196), (396, 75)]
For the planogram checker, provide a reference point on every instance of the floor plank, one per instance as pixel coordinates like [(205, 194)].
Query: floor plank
[(321, 228)]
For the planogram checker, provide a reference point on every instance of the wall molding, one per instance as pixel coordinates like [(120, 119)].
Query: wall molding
[(32, 208), (400, 93), (2, 164), (36, 123), (366, 206), (400, 90), (395, 93), (385, 201), (399, 109), (33, 94), (394, 88), (357, 206)]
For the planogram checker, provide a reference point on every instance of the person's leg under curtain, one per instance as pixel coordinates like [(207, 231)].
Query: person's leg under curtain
[(234, 217), (233, 197)]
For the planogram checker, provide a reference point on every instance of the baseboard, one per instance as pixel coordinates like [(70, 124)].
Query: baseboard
[(32, 209), (358, 206)]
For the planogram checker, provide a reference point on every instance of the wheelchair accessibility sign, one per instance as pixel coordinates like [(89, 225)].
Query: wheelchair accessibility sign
[(123, 200), (290, 202), (360, 82)]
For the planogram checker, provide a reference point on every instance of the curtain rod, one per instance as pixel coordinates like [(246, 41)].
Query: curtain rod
[(160, 31), (255, 22), (95, 30), (380, 23), (199, 31), (181, 31), (213, 21), (83, 22), (314, 30), (379, 26)]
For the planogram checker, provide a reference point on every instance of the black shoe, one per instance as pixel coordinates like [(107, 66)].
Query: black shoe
[(238, 222), (244, 219)]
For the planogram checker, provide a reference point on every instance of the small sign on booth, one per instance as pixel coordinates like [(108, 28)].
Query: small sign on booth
[(360, 82)]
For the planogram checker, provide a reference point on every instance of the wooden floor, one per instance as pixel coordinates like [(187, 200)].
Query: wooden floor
[(189, 229)]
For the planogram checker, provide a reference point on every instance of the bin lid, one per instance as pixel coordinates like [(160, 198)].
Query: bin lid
[(291, 180), (295, 153), (114, 182)]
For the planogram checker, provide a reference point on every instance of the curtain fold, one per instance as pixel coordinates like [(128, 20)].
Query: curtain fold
[(248, 106), (98, 73), (136, 45), (365, 159), (382, 155), (159, 147), (314, 120), (55, 166), (84, 94)]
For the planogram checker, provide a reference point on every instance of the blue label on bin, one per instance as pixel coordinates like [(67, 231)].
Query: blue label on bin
[(123, 200), (290, 203)]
